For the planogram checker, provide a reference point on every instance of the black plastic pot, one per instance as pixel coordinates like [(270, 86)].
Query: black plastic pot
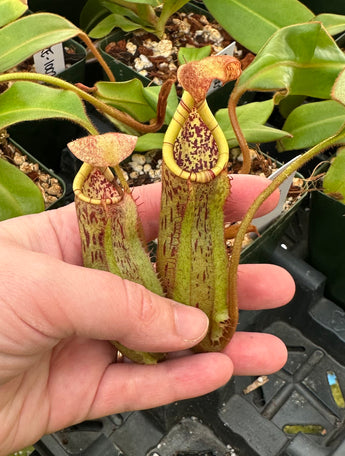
[(216, 100), (300, 411), (270, 236), (123, 72), (60, 201), (326, 246)]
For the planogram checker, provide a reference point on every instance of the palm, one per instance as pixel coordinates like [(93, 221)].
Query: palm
[(57, 366)]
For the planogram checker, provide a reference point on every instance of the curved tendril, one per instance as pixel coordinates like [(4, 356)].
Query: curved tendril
[(242, 142), (236, 252)]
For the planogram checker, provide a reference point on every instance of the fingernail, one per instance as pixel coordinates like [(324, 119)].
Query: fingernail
[(191, 323)]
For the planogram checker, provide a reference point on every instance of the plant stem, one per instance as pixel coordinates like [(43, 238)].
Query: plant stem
[(84, 37), (103, 107), (233, 101), (236, 252)]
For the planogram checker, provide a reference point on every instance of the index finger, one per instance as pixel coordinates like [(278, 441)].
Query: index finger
[(58, 232)]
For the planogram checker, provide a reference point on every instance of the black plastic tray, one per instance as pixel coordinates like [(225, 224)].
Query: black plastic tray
[(263, 422)]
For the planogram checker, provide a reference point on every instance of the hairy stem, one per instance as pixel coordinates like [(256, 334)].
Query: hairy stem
[(233, 101), (101, 106), (84, 37), (236, 252)]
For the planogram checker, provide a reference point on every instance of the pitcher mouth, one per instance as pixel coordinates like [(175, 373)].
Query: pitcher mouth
[(80, 179), (181, 115)]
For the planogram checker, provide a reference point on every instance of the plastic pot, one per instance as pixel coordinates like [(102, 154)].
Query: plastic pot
[(30, 158), (122, 72), (326, 246)]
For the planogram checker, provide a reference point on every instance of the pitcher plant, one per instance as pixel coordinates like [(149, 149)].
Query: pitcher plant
[(192, 261)]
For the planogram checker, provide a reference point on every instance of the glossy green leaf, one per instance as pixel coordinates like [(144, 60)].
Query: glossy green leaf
[(124, 18), (299, 59), (258, 112), (11, 10), (18, 194), (91, 14), (122, 11), (186, 55), (26, 100), (151, 93), (289, 103), (256, 134), (252, 22), (338, 94), (338, 90), (107, 24), (334, 180), (252, 118), (149, 141), (334, 23), (311, 123), (95, 11), (22, 38), (127, 96)]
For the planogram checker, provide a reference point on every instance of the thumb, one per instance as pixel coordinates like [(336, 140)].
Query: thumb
[(62, 300)]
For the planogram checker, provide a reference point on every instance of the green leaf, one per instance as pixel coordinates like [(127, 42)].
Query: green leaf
[(338, 90), (106, 25), (251, 117), (338, 94), (186, 55), (149, 141), (127, 96), (18, 194), (22, 38), (26, 100), (257, 112), (252, 22), (289, 103), (91, 14), (10, 10), (151, 93), (298, 60), (334, 181), (311, 123), (123, 17), (334, 23), (120, 10), (256, 133)]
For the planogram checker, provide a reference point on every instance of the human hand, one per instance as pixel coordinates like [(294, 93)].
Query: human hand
[(56, 364)]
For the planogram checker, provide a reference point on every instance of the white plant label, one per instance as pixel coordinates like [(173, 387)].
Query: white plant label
[(262, 222), (50, 61), (228, 50)]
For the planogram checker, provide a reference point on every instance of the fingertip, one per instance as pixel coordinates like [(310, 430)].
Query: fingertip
[(264, 286), (256, 353), (244, 190)]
